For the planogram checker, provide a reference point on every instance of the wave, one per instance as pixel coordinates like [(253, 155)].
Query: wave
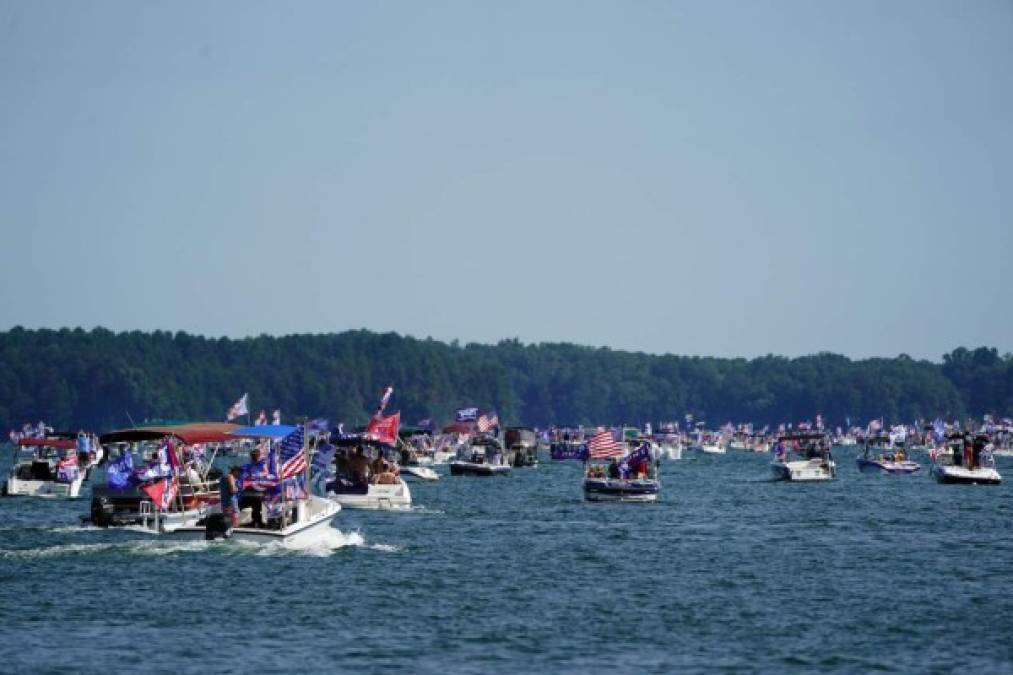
[(325, 545)]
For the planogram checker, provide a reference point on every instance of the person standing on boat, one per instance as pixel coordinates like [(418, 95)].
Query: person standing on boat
[(229, 492)]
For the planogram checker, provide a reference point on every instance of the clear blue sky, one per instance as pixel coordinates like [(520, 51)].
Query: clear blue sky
[(723, 178)]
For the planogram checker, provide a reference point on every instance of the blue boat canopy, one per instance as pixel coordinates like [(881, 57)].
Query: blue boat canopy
[(273, 431)]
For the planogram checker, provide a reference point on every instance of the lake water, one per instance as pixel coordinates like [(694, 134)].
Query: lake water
[(729, 572)]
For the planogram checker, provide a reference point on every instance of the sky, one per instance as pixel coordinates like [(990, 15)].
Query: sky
[(714, 178)]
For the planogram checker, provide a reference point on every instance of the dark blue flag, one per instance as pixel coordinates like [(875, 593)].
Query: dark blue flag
[(120, 471)]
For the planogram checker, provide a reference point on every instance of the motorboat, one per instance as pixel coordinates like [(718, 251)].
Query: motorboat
[(522, 442), (758, 443), (803, 456), (45, 466), (482, 456), (367, 475), (153, 493), (965, 461), (882, 456), (634, 478), (669, 442)]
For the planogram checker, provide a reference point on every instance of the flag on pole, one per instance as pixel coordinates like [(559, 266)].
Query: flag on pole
[(293, 459), (385, 428), (67, 469), (602, 446), (487, 421), (261, 419), (161, 492), (384, 400), (238, 409)]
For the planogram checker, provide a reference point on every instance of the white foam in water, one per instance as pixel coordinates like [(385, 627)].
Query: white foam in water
[(77, 528), (386, 548), (48, 551)]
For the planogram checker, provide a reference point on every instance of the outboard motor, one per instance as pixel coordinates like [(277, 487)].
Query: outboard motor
[(101, 511), (217, 526)]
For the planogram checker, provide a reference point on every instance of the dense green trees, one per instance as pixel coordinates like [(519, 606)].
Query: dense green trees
[(100, 380)]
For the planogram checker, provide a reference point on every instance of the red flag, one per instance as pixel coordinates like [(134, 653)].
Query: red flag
[(161, 492), (385, 428)]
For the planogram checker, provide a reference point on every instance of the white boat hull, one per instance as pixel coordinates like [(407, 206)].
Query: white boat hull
[(804, 470), (962, 475), (377, 497), (18, 487), (312, 526), (421, 472), (713, 449)]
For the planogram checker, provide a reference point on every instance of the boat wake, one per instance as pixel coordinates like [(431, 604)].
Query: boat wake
[(326, 545)]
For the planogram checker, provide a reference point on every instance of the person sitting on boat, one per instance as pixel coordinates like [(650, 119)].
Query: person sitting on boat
[(358, 466), (614, 471), (385, 476), (229, 491)]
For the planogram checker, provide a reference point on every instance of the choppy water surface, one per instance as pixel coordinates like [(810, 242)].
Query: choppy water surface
[(729, 572)]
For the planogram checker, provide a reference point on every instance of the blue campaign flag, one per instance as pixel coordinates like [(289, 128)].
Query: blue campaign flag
[(325, 455), (318, 424), (467, 414), (120, 471), (562, 451), (638, 456), (939, 430)]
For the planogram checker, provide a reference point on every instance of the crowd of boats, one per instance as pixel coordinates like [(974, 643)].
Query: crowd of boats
[(275, 482)]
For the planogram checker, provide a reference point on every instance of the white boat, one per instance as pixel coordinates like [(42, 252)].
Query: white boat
[(45, 467), (366, 475), (712, 448), (420, 472), (482, 457), (803, 456), (372, 496), (302, 522), (963, 461)]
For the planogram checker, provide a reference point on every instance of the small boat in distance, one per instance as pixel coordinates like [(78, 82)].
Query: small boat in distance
[(611, 477), (882, 456), (482, 456), (45, 466), (962, 460), (803, 456)]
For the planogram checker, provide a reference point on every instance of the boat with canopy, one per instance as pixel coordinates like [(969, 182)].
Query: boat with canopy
[(46, 466), (275, 501), (803, 456), (160, 479), (366, 474)]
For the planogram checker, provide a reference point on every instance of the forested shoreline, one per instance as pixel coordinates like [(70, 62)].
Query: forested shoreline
[(99, 379)]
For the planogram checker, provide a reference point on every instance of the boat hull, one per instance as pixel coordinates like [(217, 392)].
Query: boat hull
[(311, 528), (958, 475), (381, 497), (18, 487), (621, 490), (472, 469), (803, 471), (875, 466)]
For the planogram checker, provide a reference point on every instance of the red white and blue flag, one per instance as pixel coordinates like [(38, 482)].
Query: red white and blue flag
[(238, 409), (293, 457), (384, 400), (603, 446), (261, 419), (487, 421), (161, 492)]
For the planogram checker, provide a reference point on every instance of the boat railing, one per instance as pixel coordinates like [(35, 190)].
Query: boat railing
[(147, 513)]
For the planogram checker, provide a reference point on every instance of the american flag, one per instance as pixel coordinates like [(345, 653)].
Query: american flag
[(293, 459), (238, 409), (487, 421), (602, 446)]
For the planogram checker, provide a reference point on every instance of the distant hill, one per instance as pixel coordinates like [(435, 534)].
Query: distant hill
[(93, 379)]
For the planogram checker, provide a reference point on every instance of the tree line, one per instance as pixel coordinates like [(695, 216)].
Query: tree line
[(101, 380)]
